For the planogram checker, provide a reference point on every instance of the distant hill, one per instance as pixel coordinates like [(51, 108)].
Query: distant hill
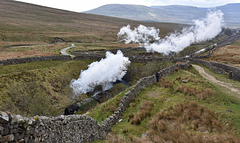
[(172, 13), (27, 22)]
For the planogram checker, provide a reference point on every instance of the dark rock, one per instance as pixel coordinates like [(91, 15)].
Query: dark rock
[(8, 138), (13, 131), (5, 131), (21, 136), (16, 137), (1, 129), (26, 138)]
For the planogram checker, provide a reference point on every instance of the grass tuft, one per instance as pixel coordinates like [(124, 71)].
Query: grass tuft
[(192, 91), (145, 111), (174, 124)]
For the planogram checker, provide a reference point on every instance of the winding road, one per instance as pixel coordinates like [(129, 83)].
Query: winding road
[(214, 80), (64, 51)]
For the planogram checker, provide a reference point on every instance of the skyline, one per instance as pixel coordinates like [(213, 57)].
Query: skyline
[(78, 6)]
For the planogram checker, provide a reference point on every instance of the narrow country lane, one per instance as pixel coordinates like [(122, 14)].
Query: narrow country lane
[(64, 51), (214, 80)]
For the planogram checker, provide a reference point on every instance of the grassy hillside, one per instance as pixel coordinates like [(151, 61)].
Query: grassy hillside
[(196, 111), (171, 13), (38, 88), (30, 30), (229, 54), (12, 51), (43, 88), (27, 22)]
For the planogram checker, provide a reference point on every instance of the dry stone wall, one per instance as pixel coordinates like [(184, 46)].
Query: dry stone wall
[(35, 59), (131, 58), (89, 56), (73, 128), (78, 57), (233, 72)]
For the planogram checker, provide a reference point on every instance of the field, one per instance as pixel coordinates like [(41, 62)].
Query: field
[(229, 54), (173, 111), (34, 50), (28, 30), (38, 88), (25, 87), (42, 27)]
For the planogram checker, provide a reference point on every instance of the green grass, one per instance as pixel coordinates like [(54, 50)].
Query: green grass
[(226, 107), (140, 70), (102, 111), (10, 50), (49, 79), (221, 105), (225, 79), (191, 49), (135, 72), (89, 46), (28, 66), (236, 43)]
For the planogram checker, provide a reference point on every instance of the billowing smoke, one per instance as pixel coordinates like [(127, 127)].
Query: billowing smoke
[(202, 30), (102, 73), (141, 34)]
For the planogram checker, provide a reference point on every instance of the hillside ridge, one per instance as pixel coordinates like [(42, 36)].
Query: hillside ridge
[(171, 13), (27, 22)]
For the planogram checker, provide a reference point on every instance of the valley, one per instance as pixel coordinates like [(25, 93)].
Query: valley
[(186, 96)]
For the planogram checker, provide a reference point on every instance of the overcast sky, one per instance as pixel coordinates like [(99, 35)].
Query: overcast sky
[(84, 5)]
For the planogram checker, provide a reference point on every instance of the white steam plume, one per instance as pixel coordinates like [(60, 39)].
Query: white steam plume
[(107, 70), (141, 34), (202, 30)]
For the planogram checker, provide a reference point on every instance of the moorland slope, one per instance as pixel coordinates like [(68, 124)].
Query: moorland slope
[(27, 22)]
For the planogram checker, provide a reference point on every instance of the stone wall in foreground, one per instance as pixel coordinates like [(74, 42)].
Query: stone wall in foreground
[(73, 128)]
